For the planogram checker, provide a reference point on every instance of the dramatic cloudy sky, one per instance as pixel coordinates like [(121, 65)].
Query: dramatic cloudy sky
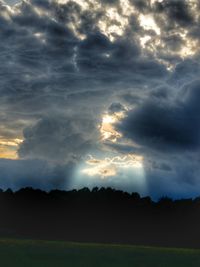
[(100, 93)]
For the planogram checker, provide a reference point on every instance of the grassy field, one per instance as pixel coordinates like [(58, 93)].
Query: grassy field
[(28, 253)]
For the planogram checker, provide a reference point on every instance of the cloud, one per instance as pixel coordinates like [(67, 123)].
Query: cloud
[(16, 174), (159, 125), (176, 11), (66, 63), (11, 2), (57, 138), (56, 59), (116, 107), (165, 130)]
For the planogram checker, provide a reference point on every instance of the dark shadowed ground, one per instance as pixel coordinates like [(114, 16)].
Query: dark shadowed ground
[(31, 253), (100, 216)]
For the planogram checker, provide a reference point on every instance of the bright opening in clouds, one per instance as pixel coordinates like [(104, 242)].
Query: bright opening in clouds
[(107, 129), (100, 93), (111, 166)]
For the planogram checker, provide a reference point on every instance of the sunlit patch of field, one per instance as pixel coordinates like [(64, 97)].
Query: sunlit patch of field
[(53, 253)]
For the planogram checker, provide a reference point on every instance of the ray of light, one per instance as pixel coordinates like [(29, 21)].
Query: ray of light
[(110, 166), (121, 172)]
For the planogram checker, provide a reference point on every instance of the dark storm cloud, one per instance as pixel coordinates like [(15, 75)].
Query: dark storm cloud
[(173, 42), (111, 62), (179, 178), (11, 2), (142, 5), (162, 166), (162, 92), (110, 2), (160, 125), (45, 56), (129, 98), (57, 138), (116, 107), (177, 11), (187, 70), (44, 62), (36, 173), (64, 65)]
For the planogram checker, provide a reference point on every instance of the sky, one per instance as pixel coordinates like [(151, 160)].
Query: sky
[(100, 93)]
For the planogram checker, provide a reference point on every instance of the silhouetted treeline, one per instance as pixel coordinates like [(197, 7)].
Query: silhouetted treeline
[(100, 215)]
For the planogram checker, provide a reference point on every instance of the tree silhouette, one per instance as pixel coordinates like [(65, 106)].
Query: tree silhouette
[(100, 215)]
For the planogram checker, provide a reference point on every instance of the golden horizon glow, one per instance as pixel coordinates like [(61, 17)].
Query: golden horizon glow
[(8, 148), (11, 142), (6, 153)]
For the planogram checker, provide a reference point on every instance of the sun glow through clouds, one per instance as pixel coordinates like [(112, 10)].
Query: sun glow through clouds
[(148, 23), (107, 129), (111, 165), (102, 167)]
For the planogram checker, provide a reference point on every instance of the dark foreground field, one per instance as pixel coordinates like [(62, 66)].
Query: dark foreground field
[(30, 253), (100, 216)]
